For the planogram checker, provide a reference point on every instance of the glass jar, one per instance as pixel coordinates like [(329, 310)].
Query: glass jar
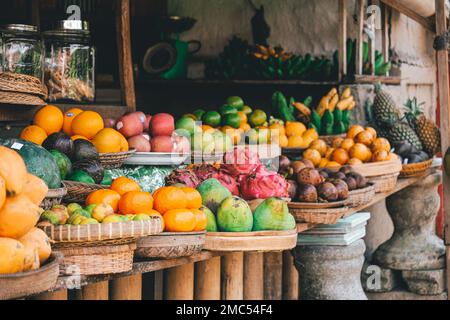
[(22, 50), (69, 68)]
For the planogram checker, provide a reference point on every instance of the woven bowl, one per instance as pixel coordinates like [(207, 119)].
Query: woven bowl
[(384, 183), (78, 191), (318, 216), (115, 160), (415, 169), (361, 196)]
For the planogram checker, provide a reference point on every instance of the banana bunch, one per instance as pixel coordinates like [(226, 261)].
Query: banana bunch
[(332, 101), (265, 52)]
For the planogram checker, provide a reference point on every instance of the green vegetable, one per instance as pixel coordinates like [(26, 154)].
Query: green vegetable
[(308, 101), (338, 116), (280, 105), (328, 119), (339, 128), (316, 120), (329, 130), (81, 176), (273, 214), (107, 178)]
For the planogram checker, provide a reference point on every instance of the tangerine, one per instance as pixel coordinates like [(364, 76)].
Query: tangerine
[(320, 146), (372, 131), (347, 144), (136, 202), (105, 196), (359, 151), (87, 124), (168, 198), (354, 162), (179, 220), (381, 144), (340, 156), (380, 155), (193, 197), (313, 155), (50, 118), (201, 220), (34, 134), (294, 129), (69, 115), (123, 185), (354, 131), (337, 142), (364, 137), (107, 140)]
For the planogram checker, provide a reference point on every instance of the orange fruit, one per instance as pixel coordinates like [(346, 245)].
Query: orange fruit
[(354, 131), (369, 155), (392, 156), (381, 144), (295, 142), (372, 131), (340, 156), (3, 192), (359, 151), (243, 116), (49, 118), (69, 115), (87, 124), (320, 146), (294, 129), (337, 142), (245, 127), (123, 185), (364, 137), (282, 141), (329, 153), (333, 164), (379, 156), (323, 163), (354, 162), (105, 196), (33, 134), (179, 220), (136, 202), (279, 127), (205, 128), (234, 134), (107, 140), (201, 220), (168, 198), (193, 197), (311, 134), (124, 147), (76, 137), (347, 144), (154, 213), (313, 155)]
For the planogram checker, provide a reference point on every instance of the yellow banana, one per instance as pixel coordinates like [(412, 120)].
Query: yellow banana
[(352, 106), (346, 93), (345, 104), (331, 93), (333, 102), (302, 108), (262, 49), (323, 106)]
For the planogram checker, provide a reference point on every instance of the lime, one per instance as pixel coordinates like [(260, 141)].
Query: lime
[(199, 113), (236, 102), (186, 123), (190, 115), (208, 143), (246, 109), (257, 118), (232, 120), (212, 118), (226, 109)]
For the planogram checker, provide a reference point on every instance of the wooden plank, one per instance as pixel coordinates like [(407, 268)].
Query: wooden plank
[(158, 290), (126, 288), (342, 39), (94, 291), (290, 277), (56, 295), (232, 270), (427, 23), (179, 283), (371, 79), (253, 276), (273, 273), (125, 55), (360, 37), (207, 279), (385, 12)]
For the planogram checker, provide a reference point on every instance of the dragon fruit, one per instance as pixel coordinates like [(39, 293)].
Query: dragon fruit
[(183, 176), (263, 184), (227, 181), (242, 161), (204, 171)]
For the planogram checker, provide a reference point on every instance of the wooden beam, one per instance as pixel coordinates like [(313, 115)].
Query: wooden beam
[(425, 22), (232, 270), (207, 279), (360, 37), (273, 275), (290, 277), (342, 39), (94, 292), (385, 11), (126, 288), (253, 276), (179, 283), (125, 54)]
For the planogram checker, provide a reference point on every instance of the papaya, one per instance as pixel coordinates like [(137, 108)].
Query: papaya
[(2, 191), (213, 193), (12, 256), (13, 171), (31, 260), (18, 216), (211, 224), (273, 214), (39, 239), (35, 189), (234, 215)]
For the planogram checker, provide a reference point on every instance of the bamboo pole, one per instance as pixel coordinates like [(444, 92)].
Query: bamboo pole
[(207, 279), (360, 37), (126, 288), (273, 273), (253, 276), (290, 277), (94, 291), (232, 276), (180, 282), (342, 39)]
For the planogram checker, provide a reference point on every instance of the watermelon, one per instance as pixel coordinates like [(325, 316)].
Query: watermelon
[(63, 162), (39, 161)]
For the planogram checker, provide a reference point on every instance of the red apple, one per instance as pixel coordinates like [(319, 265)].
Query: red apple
[(162, 144), (130, 125), (181, 144), (162, 124), (109, 122), (140, 143), (148, 118)]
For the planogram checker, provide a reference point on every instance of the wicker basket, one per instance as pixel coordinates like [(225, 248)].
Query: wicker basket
[(318, 216), (78, 191), (96, 259), (115, 160), (54, 197), (13, 286), (21, 83), (329, 139), (170, 245), (7, 97), (384, 183), (415, 169), (361, 196)]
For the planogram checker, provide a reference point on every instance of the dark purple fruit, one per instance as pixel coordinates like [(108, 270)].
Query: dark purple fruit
[(298, 166), (284, 162), (351, 183), (324, 174), (345, 170), (292, 189), (342, 189), (309, 176), (327, 191), (308, 163), (307, 193), (361, 181), (339, 175)]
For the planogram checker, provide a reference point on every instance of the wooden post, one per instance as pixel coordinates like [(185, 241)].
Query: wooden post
[(180, 282), (232, 276), (444, 100), (207, 279), (385, 33), (57, 295), (125, 54), (273, 273), (360, 37), (290, 277), (94, 291), (342, 39), (126, 288), (372, 45), (253, 276), (159, 285)]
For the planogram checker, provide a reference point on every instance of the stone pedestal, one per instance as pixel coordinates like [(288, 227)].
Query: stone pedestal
[(331, 272)]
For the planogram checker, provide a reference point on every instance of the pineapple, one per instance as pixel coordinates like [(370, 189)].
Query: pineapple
[(385, 111), (401, 131), (426, 130)]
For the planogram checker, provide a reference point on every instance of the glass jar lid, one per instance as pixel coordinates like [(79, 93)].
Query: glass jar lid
[(19, 29), (70, 30), (73, 25)]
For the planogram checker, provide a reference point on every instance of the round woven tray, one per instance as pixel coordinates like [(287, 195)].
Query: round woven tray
[(384, 183), (317, 205), (78, 191), (100, 259), (54, 197), (415, 169), (18, 285), (329, 139), (361, 196), (318, 216), (115, 160), (260, 241), (170, 245), (7, 97), (21, 83)]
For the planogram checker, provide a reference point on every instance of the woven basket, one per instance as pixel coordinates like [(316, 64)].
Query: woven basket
[(98, 259), (384, 183), (78, 191), (170, 245), (7, 97), (13, 286), (54, 197), (21, 83), (329, 139), (318, 216), (115, 160), (415, 169), (361, 196)]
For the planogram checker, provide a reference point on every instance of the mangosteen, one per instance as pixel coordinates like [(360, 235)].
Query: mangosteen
[(351, 183), (339, 175), (307, 193), (327, 191), (298, 166), (361, 181), (324, 174), (292, 188), (345, 170), (342, 189), (309, 176), (308, 163), (284, 162)]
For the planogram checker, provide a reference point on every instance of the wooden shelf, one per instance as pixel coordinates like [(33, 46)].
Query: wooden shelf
[(368, 79), (205, 82), (107, 111)]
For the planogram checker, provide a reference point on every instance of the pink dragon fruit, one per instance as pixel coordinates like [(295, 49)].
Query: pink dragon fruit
[(227, 181), (183, 176), (204, 171), (242, 161), (263, 184)]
